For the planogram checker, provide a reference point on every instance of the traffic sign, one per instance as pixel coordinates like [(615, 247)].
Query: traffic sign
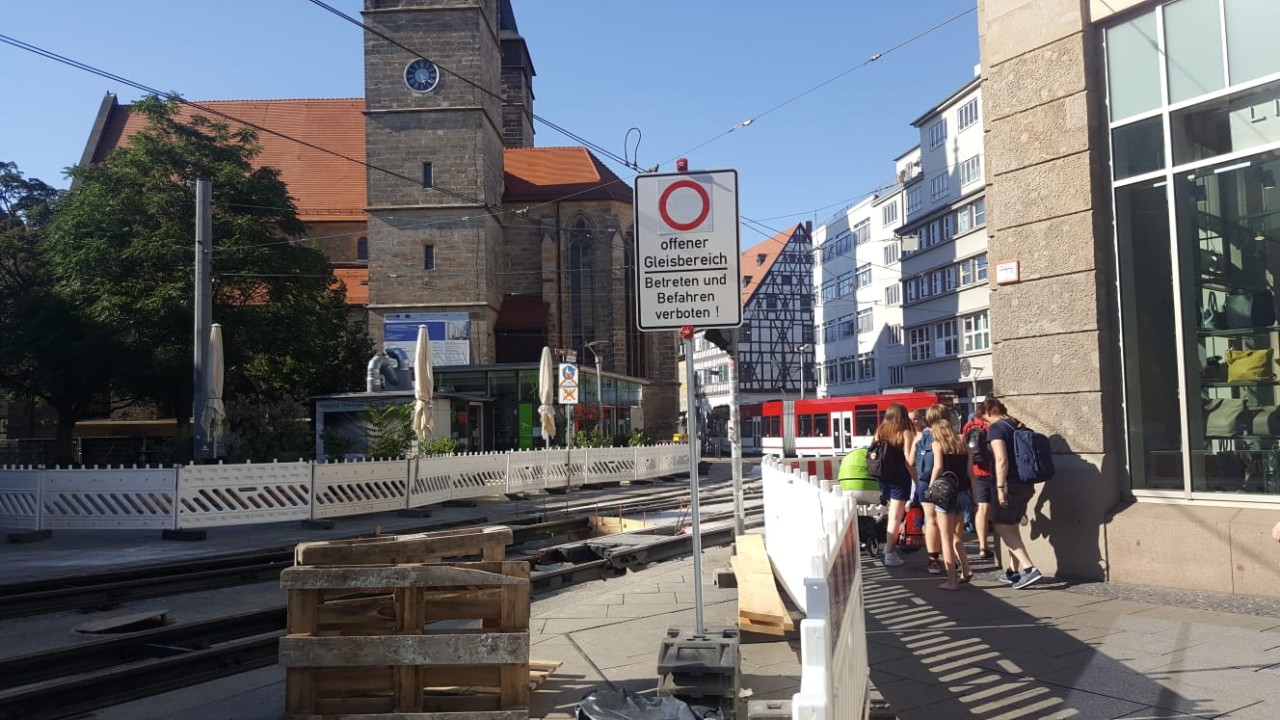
[(688, 263), (568, 382)]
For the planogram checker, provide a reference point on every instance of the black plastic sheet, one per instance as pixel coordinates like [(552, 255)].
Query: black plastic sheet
[(626, 705)]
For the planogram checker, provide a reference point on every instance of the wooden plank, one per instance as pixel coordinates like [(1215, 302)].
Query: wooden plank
[(515, 616), (340, 682), (327, 707), (488, 542), (393, 576), (759, 602), (444, 649), (748, 625), (299, 683), (408, 678), (540, 670)]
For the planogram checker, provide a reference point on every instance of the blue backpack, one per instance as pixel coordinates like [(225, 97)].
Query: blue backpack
[(1031, 455)]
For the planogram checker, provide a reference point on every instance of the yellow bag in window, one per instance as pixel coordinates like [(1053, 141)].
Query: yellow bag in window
[(1248, 365)]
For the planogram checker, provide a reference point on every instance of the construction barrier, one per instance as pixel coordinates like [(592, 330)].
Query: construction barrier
[(811, 535), (202, 496)]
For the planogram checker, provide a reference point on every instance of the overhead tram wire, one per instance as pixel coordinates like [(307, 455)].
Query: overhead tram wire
[(752, 120)]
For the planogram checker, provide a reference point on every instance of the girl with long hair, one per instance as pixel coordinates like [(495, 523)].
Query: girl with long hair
[(895, 474), (1012, 496), (951, 455), (921, 460)]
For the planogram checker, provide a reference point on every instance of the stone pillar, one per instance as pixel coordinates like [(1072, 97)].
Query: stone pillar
[(1054, 334)]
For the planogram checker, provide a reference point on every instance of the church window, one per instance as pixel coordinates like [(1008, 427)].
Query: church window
[(362, 248), (428, 257), (581, 283), (428, 179)]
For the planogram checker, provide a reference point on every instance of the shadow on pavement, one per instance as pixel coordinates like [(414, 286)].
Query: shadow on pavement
[(988, 651)]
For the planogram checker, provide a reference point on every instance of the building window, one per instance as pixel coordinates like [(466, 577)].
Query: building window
[(806, 334), (889, 214), (895, 334), (937, 133), (760, 258), (846, 285), (744, 332), (968, 114), (892, 252), (949, 278), (895, 374), (935, 278), (977, 336), (913, 200), (948, 227), (848, 326), (893, 295), (980, 213), (919, 343), (971, 170), (980, 263), (865, 320), (829, 330), (938, 186), (428, 178), (848, 368), (862, 231), (963, 220), (966, 272), (428, 257), (863, 275), (828, 291), (945, 332), (866, 367), (911, 289), (362, 248), (582, 291)]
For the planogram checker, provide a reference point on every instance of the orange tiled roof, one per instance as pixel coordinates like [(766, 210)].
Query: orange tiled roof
[(770, 249), (552, 173), (356, 281), (323, 186)]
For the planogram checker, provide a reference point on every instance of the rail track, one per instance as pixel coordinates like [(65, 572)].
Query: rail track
[(109, 589), (69, 682)]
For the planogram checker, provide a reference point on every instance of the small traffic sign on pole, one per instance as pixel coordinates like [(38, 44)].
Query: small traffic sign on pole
[(688, 267), (568, 383)]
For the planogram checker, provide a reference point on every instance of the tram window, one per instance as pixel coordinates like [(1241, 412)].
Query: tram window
[(866, 419), (820, 424), (806, 426), (771, 427)]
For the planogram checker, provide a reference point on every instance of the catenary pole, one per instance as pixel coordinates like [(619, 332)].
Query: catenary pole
[(203, 316), (735, 445)]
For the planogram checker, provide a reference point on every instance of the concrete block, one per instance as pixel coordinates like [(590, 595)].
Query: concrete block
[(1014, 27), (1066, 517), (1053, 247), (1071, 360), (1034, 78), (1042, 133), (1180, 546), (768, 710), (1072, 421), (1051, 306)]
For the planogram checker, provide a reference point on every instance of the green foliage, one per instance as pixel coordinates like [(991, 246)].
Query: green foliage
[(336, 445), (438, 446), (119, 247), (638, 438), (268, 428), (390, 430), (590, 438)]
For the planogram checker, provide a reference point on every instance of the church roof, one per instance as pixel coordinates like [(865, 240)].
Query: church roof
[(331, 187)]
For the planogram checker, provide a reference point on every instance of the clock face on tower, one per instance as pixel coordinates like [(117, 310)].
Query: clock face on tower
[(421, 75)]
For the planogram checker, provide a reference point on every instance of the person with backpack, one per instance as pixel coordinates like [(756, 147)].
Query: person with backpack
[(1012, 494), (887, 462), (984, 485), (951, 490), (921, 460)]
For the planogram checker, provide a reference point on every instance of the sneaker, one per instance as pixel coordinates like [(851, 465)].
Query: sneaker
[(986, 554), (935, 566), (1028, 577), (891, 559), (1010, 577)]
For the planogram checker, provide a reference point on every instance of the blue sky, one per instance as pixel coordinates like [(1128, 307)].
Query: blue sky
[(681, 71)]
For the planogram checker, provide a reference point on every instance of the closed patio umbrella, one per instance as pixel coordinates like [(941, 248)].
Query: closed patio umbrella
[(423, 387), (215, 413), (547, 395)]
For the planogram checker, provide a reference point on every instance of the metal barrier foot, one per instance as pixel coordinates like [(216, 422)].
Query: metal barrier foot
[(30, 536), (185, 535)]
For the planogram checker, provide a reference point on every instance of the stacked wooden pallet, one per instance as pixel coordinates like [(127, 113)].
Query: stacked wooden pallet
[(383, 627)]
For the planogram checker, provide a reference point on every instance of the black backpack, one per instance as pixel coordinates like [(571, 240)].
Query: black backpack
[(876, 458), (976, 439)]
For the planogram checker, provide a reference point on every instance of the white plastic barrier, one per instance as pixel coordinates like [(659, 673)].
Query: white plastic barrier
[(20, 497), (356, 488), (811, 535), (214, 495), (110, 498), (198, 496)]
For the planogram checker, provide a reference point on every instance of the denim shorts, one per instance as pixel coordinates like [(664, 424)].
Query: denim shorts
[(896, 491), (962, 505)]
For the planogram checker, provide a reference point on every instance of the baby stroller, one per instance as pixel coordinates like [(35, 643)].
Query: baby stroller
[(873, 518)]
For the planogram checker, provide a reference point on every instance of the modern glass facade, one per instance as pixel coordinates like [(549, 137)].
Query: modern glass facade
[(1194, 107)]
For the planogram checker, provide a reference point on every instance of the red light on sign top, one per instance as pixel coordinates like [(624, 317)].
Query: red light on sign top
[(686, 332), (682, 165)]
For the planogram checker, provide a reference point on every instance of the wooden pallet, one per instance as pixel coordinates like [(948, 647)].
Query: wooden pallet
[(488, 543), (373, 640)]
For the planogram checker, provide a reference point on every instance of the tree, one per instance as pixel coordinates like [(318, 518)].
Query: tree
[(121, 249), (49, 351)]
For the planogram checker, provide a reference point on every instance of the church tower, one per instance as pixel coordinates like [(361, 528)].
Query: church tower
[(434, 118)]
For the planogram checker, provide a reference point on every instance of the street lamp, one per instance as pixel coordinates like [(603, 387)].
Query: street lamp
[(599, 392), (802, 349)]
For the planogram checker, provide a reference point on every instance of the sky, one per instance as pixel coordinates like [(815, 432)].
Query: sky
[(681, 71)]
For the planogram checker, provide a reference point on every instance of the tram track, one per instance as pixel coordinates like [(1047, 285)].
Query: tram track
[(100, 591), (69, 682)]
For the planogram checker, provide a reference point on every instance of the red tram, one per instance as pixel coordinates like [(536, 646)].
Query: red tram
[(833, 425)]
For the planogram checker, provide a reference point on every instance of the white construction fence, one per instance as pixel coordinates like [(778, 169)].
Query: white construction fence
[(811, 534), (202, 496)]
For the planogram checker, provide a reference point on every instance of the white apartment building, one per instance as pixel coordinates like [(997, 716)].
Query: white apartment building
[(857, 281), (944, 274)]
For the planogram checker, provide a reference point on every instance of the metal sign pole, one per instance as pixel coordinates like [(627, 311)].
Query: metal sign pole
[(691, 413)]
